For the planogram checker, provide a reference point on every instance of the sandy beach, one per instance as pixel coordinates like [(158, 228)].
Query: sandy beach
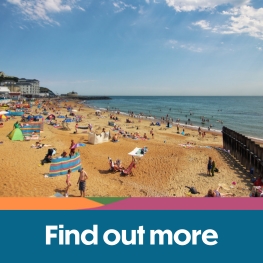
[(173, 161)]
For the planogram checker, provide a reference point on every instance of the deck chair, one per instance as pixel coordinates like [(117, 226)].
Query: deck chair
[(114, 168), (128, 171), (67, 127), (63, 125)]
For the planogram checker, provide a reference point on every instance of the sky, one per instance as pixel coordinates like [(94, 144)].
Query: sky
[(140, 47)]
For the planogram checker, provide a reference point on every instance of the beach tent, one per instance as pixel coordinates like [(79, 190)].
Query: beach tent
[(60, 166), (51, 117), (100, 138), (28, 129), (16, 135)]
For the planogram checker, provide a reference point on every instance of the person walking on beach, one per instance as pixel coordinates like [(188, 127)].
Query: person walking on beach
[(209, 166), (178, 128), (199, 131), (68, 182), (82, 182), (213, 168)]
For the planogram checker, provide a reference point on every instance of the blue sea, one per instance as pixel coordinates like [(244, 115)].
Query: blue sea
[(242, 114)]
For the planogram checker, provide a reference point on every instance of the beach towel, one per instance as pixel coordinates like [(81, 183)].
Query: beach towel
[(79, 145), (60, 166), (138, 152)]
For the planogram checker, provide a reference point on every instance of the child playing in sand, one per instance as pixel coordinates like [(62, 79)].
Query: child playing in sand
[(68, 182)]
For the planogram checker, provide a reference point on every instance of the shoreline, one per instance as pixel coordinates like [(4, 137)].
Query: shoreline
[(216, 118), (182, 125)]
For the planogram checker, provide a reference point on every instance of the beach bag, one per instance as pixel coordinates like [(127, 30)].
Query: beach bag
[(256, 191), (216, 170)]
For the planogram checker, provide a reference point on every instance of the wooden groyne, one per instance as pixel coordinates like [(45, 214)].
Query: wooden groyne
[(248, 152)]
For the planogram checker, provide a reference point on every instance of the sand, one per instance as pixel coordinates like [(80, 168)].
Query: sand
[(164, 170)]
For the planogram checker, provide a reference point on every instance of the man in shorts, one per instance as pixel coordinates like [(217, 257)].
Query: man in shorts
[(82, 182)]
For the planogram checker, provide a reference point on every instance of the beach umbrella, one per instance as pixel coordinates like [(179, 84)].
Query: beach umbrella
[(3, 117), (98, 111), (3, 112)]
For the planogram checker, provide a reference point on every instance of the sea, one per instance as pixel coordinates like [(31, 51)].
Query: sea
[(239, 113)]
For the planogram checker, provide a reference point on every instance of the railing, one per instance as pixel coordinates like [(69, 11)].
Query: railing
[(248, 152)]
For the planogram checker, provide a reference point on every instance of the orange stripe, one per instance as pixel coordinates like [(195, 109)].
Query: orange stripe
[(46, 203)]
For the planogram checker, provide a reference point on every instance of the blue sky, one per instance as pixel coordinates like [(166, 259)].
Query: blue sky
[(146, 47)]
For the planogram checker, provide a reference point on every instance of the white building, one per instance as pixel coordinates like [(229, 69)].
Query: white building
[(4, 90), (28, 86)]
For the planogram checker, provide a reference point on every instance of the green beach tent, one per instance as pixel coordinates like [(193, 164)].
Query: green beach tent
[(16, 135)]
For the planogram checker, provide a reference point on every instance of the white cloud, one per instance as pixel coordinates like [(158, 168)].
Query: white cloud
[(147, 1), (191, 47), (259, 48), (40, 10), (201, 5), (244, 19), (80, 8), (141, 10), (203, 24), (121, 6)]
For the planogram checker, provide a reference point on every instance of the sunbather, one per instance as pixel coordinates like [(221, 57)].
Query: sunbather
[(115, 138)]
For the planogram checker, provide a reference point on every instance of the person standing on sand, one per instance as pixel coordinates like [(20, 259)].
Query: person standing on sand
[(68, 182), (82, 182), (213, 168), (178, 128), (76, 127), (209, 166), (152, 133), (72, 148)]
